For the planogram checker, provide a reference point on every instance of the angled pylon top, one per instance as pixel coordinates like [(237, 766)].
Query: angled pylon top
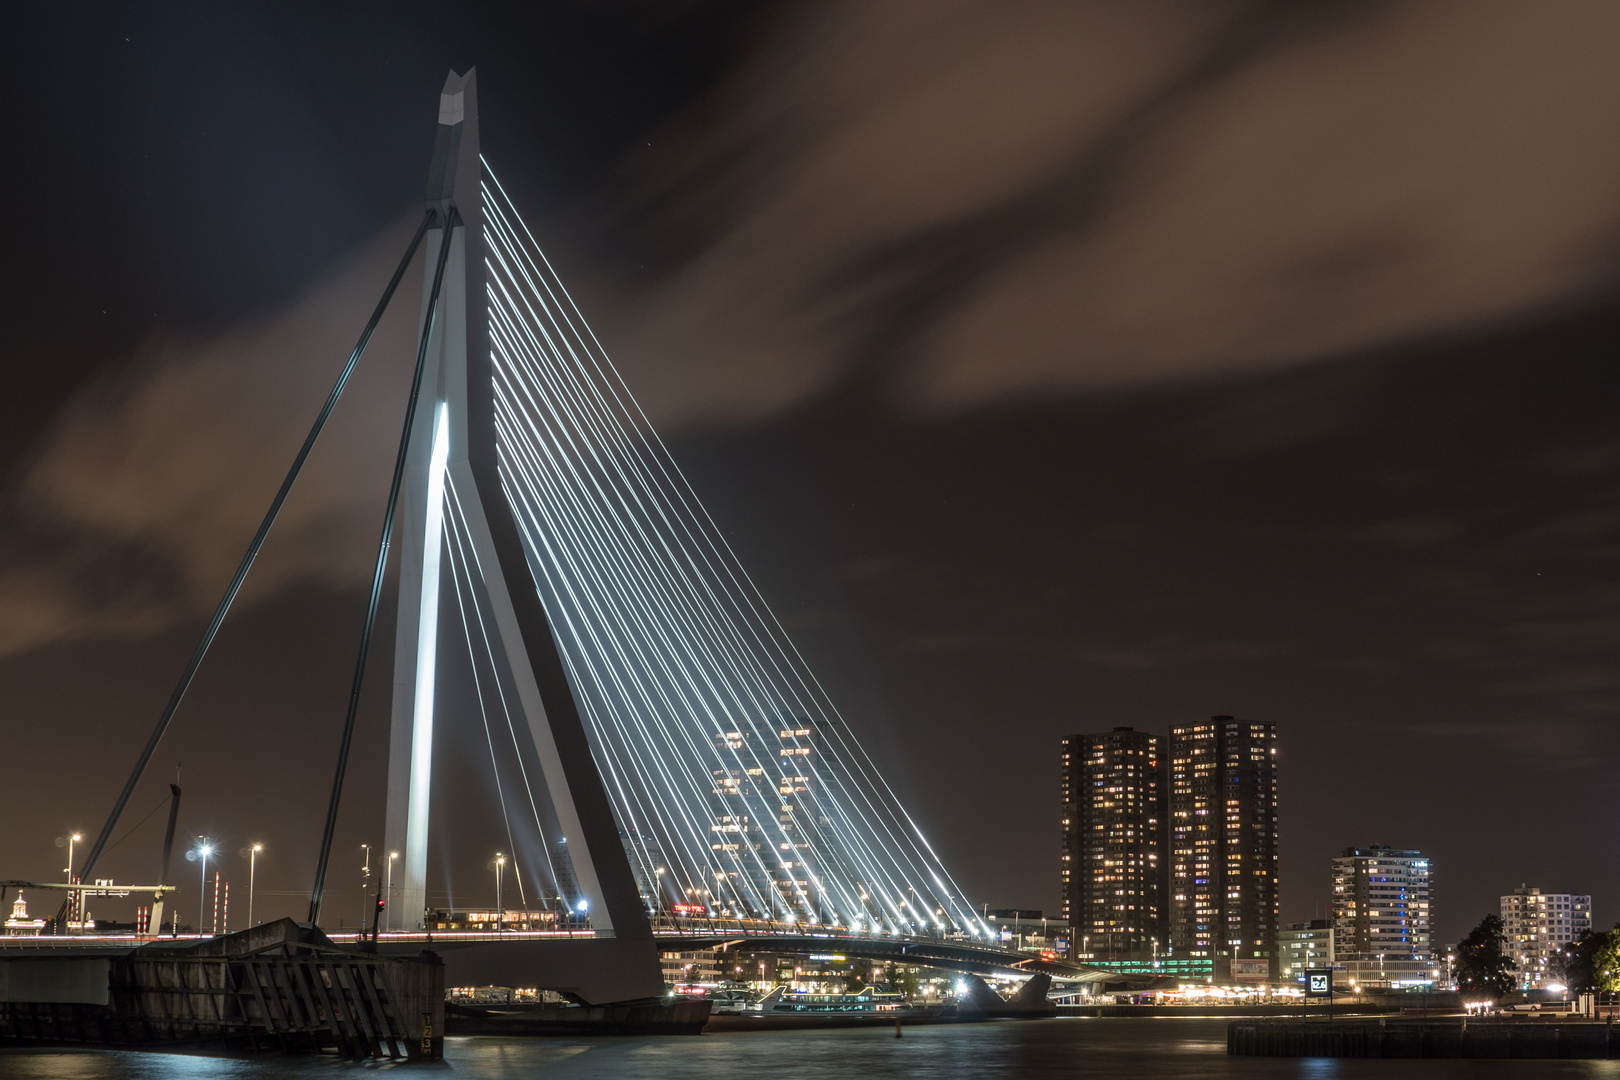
[(455, 144)]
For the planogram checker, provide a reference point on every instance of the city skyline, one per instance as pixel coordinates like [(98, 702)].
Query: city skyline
[(1008, 465)]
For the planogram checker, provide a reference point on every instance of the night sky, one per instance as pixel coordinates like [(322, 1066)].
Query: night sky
[(1052, 366)]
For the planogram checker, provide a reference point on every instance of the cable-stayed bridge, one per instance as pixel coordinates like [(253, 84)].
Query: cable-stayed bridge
[(667, 767)]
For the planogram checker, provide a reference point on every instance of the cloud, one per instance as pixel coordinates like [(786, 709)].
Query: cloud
[(135, 508), (974, 200), (960, 201)]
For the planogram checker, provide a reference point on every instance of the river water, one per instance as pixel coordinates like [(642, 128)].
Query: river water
[(1117, 1049)]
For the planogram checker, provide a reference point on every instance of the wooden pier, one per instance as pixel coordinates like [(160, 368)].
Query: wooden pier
[(281, 987)]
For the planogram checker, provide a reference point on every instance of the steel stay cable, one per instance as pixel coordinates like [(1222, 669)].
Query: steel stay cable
[(428, 321), (547, 536), (452, 542), (459, 514), (855, 838), (835, 807), (946, 896), (752, 592), (552, 398), (235, 586), (609, 531), (831, 854), (537, 542)]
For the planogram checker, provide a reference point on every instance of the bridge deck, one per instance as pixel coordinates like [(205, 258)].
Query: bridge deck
[(686, 935)]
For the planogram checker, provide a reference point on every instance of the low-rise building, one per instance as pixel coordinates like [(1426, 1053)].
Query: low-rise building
[(696, 967), (1305, 945), (1539, 928)]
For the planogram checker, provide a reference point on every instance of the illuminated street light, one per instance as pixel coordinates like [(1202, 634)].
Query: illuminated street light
[(200, 853), (74, 839), (365, 886), (253, 865), (388, 888), (500, 866)]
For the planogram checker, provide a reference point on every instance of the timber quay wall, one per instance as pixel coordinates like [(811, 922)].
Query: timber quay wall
[(1253, 1009), (279, 987), (1450, 1038)]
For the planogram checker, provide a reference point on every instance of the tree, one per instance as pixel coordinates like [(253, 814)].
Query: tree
[(1606, 961), (1483, 968), (1593, 961)]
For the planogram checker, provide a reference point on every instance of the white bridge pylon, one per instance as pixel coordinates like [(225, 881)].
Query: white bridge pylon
[(441, 450)]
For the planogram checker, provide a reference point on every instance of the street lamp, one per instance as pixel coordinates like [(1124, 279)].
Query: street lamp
[(75, 900), (253, 866), (388, 903), (500, 865), (365, 886), (205, 848)]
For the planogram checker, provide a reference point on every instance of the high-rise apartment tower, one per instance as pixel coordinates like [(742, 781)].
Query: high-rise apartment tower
[(1223, 846), (1382, 916), (1540, 928), (1113, 868)]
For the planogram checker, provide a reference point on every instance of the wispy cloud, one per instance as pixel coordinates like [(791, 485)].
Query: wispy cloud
[(981, 199), (134, 509)]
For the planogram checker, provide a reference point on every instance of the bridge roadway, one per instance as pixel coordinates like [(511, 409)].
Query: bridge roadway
[(690, 935)]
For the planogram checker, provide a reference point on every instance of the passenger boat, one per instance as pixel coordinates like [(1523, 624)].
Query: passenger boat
[(783, 1001), (731, 1002), (783, 1008)]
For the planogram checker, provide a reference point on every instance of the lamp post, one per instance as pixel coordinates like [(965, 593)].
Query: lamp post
[(388, 889), (74, 899), (73, 839), (365, 886), (253, 866), (500, 865), (204, 849)]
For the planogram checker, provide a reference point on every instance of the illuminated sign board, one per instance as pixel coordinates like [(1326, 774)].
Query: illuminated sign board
[(1318, 982), (690, 909)]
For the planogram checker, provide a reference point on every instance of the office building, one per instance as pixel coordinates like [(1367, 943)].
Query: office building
[(1223, 847), (1382, 916), (1113, 868), (1539, 928), (1305, 945)]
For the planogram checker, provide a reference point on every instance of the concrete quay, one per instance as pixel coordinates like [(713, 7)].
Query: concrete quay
[(1393, 1037)]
